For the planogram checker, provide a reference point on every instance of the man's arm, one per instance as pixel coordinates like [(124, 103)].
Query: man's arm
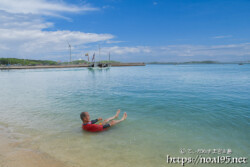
[(95, 120)]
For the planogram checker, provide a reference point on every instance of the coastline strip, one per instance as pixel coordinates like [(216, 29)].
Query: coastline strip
[(65, 66)]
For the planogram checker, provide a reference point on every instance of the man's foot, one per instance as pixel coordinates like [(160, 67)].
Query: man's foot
[(124, 116), (117, 113)]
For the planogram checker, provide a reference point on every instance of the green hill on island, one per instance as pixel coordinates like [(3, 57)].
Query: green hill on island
[(15, 61), (28, 62)]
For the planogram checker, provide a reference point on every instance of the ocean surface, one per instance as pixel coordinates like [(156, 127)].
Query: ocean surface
[(169, 107)]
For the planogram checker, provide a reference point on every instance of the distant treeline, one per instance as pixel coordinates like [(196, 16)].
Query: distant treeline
[(14, 61), (76, 62), (111, 61), (86, 62), (28, 62), (190, 62)]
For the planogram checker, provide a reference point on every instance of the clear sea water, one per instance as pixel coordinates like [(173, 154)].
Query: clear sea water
[(169, 107)]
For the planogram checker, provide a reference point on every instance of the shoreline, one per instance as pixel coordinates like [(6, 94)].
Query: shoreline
[(16, 151), (66, 66)]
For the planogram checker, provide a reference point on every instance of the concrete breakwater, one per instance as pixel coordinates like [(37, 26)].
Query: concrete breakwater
[(65, 66)]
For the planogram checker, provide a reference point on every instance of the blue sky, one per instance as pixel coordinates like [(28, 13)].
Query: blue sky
[(131, 30)]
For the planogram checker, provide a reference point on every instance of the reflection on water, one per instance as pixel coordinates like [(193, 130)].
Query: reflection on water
[(97, 69)]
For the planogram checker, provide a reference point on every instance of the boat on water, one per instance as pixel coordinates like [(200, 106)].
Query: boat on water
[(103, 65), (92, 65), (99, 64)]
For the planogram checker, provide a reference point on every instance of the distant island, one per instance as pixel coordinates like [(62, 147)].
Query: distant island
[(14, 63), (200, 62), (29, 62)]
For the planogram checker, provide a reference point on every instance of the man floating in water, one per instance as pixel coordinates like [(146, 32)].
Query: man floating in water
[(92, 127)]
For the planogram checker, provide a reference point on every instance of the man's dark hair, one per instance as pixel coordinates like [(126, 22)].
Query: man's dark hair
[(82, 115)]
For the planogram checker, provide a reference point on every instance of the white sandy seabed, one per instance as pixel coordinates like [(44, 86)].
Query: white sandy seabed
[(16, 151)]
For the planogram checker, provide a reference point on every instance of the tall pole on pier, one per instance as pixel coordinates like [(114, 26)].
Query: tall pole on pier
[(99, 51), (69, 51)]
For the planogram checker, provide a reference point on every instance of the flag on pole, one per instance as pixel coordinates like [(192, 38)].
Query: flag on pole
[(87, 55), (93, 58)]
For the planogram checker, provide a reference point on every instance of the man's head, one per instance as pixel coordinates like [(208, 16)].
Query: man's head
[(85, 117)]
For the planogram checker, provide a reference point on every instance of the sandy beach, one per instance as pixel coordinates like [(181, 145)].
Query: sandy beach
[(16, 152)]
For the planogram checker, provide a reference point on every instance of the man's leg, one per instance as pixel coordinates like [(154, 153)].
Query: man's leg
[(114, 122), (111, 118)]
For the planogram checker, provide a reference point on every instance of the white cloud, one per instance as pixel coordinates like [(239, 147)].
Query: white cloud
[(222, 36), (22, 21), (230, 52), (40, 43), (119, 50), (23, 34), (155, 3), (242, 49), (41, 7), (111, 42)]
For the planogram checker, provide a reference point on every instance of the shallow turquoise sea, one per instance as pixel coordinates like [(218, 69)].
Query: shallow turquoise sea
[(169, 107)]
